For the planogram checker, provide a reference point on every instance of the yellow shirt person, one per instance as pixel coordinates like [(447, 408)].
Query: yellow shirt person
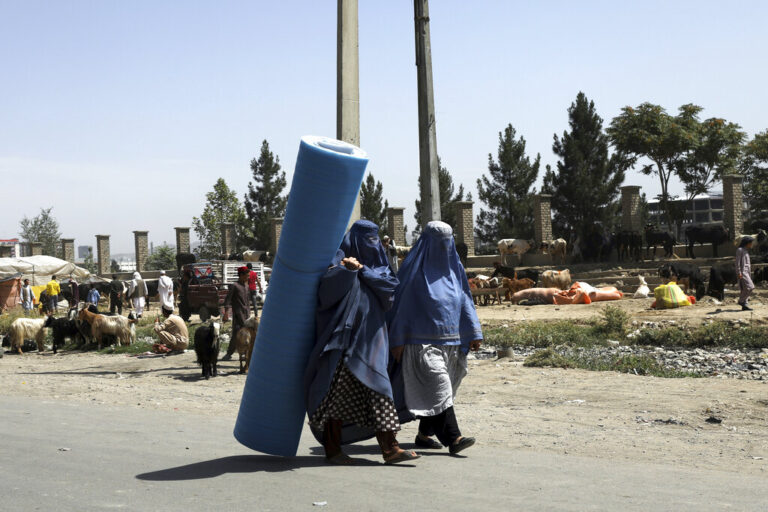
[(52, 289)]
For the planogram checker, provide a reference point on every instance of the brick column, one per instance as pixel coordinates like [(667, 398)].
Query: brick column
[(276, 224), (68, 249), (227, 238), (141, 247), (6, 251), (542, 217), (102, 254), (395, 225), (465, 225), (733, 204), (182, 240), (35, 248), (630, 209)]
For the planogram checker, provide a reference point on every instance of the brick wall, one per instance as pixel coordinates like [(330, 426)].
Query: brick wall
[(102, 253), (733, 205), (630, 209), (465, 225), (141, 245), (396, 225), (68, 249), (182, 240), (542, 217)]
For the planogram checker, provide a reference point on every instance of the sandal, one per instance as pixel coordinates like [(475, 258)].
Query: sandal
[(427, 443), (461, 445), (403, 456)]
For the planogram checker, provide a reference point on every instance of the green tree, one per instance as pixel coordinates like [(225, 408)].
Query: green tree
[(114, 266), (371, 206), (222, 205), (585, 185), (648, 131), (264, 199), (448, 196), (507, 191), (715, 152), (754, 167), (44, 229), (162, 258), (88, 263)]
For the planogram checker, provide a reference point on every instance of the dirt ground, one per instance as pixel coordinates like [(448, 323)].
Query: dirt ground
[(596, 414), (639, 309)]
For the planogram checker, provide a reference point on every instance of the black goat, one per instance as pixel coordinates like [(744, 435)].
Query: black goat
[(63, 328), (207, 345)]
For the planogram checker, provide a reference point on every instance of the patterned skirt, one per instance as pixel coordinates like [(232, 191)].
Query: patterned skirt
[(351, 401)]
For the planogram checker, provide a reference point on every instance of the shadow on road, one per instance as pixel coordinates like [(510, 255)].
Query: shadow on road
[(239, 464)]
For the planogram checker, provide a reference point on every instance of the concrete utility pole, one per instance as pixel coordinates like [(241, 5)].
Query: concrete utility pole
[(430, 192), (348, 81)]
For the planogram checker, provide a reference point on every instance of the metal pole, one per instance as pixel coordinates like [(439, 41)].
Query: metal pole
[(430, 192), (348, 81)]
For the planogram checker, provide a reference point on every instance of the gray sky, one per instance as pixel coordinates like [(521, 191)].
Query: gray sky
[(122, 115)]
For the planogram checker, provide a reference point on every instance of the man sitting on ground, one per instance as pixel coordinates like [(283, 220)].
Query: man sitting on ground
[(172, 333)]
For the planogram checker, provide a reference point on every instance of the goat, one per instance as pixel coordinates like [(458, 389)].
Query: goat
[(244, 341), (27, 328), (123, 328), (207, 344), (62, 328), (513, 286)]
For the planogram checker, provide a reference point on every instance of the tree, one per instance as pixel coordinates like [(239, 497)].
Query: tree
[(714, 153), (649, 131), (221, 205), (88, 263), (114, 266), (754, 167), (371, 206), (162, 258), (44, 229), (507, 191), (264, 200), (448, 196), (585, 185)]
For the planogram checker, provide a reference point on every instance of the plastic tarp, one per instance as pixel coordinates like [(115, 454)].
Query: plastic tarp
[(39, 269), (670, 296)]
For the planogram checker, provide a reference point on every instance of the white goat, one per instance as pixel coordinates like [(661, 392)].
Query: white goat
[(27, 329)]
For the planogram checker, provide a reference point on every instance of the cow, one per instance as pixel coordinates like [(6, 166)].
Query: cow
[(512, 273), (463, 252), (720, 275), (629, 244), (714, 235), (516, 246), (184, 258), (556, 279), (692, 273), (556, 249), (758, 224), (654, 237), (596, 246)]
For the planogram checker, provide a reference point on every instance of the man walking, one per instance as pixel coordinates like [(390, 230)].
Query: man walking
[(27, 298), (237, 298), (254, 287), (165, 291), (116, 295)]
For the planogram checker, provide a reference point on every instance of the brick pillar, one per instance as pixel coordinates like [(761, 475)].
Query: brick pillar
[(182, 240), (141, 247), (276, 224), (6, 251), (35, 248), (630, 209), (542, 217), (102, 254), (227, 238), (733, 204), (68, 249), (395, 225), (465, 225)]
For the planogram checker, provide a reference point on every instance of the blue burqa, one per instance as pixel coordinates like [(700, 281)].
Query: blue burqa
[(433, 304), (351, 323)]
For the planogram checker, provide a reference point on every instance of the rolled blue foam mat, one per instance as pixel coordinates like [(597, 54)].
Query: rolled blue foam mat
[(325, 185)]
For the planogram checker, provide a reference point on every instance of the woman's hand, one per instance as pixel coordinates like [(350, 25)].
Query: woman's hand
[(474, 346), (351, 263), (397, 352)]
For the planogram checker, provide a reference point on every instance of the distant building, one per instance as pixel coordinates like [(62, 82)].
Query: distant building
[(15, 246), (83, 251), (705, 209), (127, 265)]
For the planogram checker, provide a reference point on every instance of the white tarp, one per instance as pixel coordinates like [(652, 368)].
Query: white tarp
[(39, 269)]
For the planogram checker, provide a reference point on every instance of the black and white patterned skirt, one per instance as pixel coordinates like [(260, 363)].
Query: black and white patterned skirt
[(351, 401)]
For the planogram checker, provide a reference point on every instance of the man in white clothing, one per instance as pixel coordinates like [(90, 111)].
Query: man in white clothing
[(137, 291), (165, 291)]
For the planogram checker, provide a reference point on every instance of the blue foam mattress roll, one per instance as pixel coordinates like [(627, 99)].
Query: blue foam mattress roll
[(325, 186)]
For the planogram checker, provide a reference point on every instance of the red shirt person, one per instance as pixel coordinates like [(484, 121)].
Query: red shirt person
[(254, 286)]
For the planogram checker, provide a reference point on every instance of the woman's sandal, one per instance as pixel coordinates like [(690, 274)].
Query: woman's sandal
[(402, 456), (427, 443)]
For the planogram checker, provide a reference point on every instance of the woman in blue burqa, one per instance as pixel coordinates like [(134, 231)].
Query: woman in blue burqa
[(349, 396), (432, 326)]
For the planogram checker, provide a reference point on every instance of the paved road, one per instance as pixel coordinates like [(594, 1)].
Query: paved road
[(132, 459)]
